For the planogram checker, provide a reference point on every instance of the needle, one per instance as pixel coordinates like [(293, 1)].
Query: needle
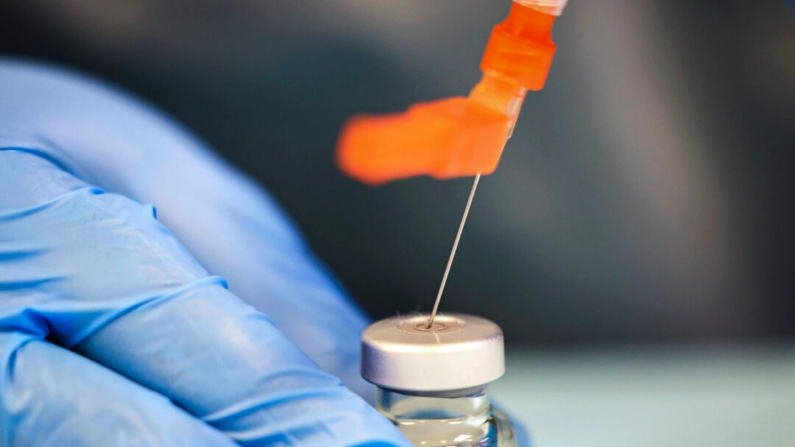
[(452, 253)]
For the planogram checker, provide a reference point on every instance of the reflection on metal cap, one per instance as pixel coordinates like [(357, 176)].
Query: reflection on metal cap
[(459, 351)]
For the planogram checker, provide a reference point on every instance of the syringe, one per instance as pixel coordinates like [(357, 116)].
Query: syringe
[(459, 136)]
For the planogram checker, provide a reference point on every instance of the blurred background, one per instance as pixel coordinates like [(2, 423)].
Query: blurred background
[(646, 196), (647, 193)]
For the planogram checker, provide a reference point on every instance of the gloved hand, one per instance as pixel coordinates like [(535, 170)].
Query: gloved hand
[(112, 331)]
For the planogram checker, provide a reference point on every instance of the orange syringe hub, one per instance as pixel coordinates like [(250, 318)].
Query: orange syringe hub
[(459, 136)]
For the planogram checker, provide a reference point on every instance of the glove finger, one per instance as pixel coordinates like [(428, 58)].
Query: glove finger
[(96, 272), (522, 437), (233, 227), (520, 432), (52, 398)]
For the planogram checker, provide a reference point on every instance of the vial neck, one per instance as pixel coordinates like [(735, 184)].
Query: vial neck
[(406, 407)]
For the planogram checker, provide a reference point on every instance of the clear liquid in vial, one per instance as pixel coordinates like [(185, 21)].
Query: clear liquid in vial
[(463, 419)]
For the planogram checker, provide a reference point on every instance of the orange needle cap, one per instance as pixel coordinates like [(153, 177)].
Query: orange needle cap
[(458, 136)]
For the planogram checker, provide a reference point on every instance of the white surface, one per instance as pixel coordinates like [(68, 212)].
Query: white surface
[(653, 397)]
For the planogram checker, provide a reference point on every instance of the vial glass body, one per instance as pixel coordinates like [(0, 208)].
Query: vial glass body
[(458, 418)]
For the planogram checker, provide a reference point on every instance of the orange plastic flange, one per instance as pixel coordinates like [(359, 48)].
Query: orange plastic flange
[(443, 139), (458, 136)]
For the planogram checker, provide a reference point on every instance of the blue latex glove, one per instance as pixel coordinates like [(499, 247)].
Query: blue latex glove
[(112, 331)]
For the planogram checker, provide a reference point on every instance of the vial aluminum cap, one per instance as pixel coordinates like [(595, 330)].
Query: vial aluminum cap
[(459, 351)]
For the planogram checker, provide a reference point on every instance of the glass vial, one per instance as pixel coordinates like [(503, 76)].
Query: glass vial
[(432, 382)]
